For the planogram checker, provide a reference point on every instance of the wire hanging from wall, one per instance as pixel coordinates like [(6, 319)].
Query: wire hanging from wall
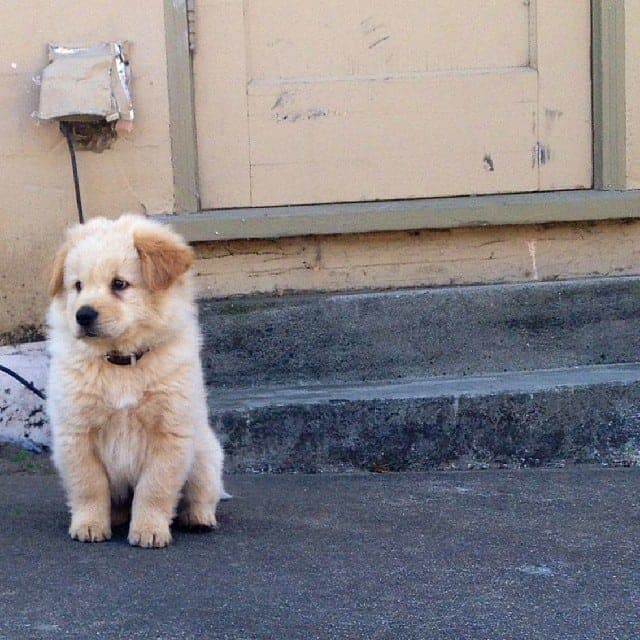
[(67, 132)]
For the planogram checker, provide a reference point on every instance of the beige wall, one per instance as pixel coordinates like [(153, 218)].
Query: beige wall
[(37, 202), (403, 259), (632, 81), (36, 190)]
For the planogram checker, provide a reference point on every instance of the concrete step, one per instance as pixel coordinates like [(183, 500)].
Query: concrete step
[(454, 377), (452, 331), (580, 414), (523, 374)]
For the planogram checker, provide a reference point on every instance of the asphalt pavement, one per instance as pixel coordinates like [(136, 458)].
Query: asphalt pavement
[(530, 553)]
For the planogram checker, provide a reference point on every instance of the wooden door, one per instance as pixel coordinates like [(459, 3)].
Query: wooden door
[(335, 101)]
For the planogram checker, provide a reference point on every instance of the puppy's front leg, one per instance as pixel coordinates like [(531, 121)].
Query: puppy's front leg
[(156, 495), (87, 487)]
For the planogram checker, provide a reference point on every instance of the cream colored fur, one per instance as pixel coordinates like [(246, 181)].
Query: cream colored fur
[(130, 442)]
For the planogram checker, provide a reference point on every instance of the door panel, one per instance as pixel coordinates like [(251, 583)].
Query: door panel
[(329, 142), (328, 101), (561, 57), (337, 38)]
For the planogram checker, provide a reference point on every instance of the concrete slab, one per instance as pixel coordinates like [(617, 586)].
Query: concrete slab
[(523, 555), (535, 374), (448, 331), (583, 414), (22, 413)]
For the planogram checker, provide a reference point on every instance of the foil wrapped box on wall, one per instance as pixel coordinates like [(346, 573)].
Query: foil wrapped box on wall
[(87, 84)]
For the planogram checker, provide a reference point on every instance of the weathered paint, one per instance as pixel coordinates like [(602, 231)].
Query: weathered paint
[(398, 259), (419, 258), (325, 102)]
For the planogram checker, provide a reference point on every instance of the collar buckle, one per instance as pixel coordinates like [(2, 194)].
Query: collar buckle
[(128, 360)]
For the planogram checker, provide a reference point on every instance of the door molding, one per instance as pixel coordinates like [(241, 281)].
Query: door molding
[(402, 215), (182, 127), (609, 94), (606, 200)]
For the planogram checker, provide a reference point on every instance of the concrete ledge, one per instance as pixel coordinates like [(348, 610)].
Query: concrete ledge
[(511, 382), (419, 333), (585, 414), (534, 374)]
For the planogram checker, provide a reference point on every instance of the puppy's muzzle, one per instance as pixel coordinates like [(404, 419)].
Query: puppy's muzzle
[(86, 317)]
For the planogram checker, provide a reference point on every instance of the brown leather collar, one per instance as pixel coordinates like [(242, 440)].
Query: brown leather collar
[(123, 359)]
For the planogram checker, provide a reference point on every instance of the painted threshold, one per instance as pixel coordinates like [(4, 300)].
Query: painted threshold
[(401, 215)]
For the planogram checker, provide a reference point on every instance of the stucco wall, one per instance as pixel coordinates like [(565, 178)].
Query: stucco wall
[(37, 200), (521, 253), (36, 189), (632, 81)]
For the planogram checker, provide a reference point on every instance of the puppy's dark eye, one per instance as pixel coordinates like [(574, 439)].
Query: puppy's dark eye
[(78, 286), (118, 285)]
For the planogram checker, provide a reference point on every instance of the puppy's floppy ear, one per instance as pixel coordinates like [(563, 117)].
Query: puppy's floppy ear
[(164, 256), (57, 270)]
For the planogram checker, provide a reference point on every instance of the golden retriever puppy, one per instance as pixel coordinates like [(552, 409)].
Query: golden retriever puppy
[(126, 398)]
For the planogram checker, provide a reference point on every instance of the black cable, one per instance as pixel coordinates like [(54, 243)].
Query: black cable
[(26, 383), (67, 132)]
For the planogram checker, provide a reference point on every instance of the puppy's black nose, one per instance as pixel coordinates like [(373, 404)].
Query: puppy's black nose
[(86, 316)]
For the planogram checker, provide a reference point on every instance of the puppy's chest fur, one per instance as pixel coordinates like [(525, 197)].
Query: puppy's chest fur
[(122, 447), (118, 398), (127, 420)]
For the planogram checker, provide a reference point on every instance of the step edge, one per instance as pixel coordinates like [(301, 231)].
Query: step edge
[(486, 384), (400, 292)]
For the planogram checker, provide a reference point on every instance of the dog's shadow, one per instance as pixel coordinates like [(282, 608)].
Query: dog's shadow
[(121, 531)]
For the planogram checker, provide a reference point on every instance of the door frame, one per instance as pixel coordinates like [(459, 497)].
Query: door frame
[(182, 123), (606, 200)]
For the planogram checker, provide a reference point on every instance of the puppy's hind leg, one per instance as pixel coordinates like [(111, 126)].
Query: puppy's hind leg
[(203, 488)]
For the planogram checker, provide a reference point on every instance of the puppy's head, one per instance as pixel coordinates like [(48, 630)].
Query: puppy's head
[(113, 280)]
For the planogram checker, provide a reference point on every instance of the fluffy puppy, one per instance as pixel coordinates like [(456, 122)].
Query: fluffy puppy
[(126, 398)]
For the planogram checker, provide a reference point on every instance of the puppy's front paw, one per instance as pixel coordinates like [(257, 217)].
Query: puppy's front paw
[(149, 536), (89, 530), (198, 517)]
